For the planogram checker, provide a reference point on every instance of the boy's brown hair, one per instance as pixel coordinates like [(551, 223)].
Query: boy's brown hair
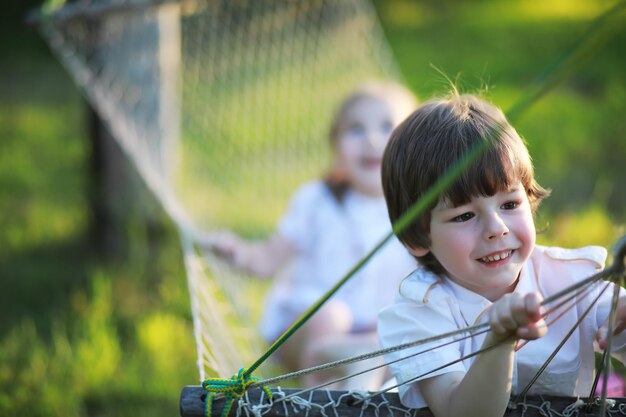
[(437, 136)]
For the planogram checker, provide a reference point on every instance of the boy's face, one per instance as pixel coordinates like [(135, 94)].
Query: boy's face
[(483, 244)]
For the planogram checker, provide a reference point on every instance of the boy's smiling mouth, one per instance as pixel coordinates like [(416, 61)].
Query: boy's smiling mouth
[(497, 257)]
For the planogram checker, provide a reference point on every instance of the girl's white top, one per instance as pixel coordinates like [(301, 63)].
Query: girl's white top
[(429, 305), (330, 238)]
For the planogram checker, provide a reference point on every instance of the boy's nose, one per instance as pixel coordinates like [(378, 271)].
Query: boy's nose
[(495, 227)]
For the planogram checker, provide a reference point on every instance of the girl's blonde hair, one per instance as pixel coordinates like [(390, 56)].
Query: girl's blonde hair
[(438, 135), (389, 92)]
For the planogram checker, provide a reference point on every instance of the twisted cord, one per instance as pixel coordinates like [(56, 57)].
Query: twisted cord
[(609, 345), (560, 345), (232, 388)]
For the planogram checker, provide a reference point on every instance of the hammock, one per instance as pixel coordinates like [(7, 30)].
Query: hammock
[(221, 106), (337, 403)]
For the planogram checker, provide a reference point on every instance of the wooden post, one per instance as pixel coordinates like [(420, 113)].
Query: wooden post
[(155, 73), (112, 179), (192, 400)]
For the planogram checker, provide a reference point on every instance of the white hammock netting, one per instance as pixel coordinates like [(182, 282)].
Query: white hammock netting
[(224, 109)]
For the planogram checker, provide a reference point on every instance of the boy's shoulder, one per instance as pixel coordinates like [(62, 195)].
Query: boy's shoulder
[(595, 256), (555, 268)]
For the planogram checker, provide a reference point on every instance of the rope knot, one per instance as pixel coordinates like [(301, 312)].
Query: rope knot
[(233, 388)]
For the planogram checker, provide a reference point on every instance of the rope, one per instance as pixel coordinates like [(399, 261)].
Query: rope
[(232, 388), (609, 345), (471, 331), (558, 348), (386, 364), (555, 308), (306, 406), (373, 354), (403, 222), (317, 405), (574, 57), (548, 300), (596, 380)]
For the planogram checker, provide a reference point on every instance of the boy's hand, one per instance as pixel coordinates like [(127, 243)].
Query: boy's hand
[(620, 324), (518, 314)]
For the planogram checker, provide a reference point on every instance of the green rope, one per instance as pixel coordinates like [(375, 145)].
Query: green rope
[(599, 32), (573, 58), (403, 222), (233, 388)]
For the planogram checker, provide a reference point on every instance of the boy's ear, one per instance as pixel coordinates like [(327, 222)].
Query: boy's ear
[(417, 251)]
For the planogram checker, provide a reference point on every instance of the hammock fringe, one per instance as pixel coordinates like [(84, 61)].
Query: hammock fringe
[(323, 403)]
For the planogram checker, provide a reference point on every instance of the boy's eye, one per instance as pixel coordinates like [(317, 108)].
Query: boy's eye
[(510, 205), (462, 217)]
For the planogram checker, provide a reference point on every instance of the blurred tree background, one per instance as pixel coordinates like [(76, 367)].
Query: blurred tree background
[(82, 334)]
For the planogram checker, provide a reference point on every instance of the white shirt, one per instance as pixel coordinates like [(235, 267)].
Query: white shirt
[(330, 238), (429, 305)]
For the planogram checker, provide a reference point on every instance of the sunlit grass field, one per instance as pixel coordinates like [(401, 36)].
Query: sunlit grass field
[(81, 336)]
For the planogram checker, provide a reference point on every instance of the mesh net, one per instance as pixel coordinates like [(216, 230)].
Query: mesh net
[(224, 108)]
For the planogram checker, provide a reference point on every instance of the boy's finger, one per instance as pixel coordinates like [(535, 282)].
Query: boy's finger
[(518, 310), (533, 330), (510, 312), (532, 302), (495, 319), (601, 336), (620, 325), (602, 333)]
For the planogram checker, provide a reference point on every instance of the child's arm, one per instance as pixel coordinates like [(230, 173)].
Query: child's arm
[(485, 389), (262, 258)]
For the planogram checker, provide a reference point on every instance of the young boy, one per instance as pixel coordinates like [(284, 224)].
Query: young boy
[(479, 262)]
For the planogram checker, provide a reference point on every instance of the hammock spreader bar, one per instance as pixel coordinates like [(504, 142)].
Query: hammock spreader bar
[(324, 403)]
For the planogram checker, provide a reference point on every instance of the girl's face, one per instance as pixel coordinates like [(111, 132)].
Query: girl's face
[(362, 136), (483, 244)]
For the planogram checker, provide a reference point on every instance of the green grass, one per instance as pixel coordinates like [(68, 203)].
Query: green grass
[(81, 335), (579, 121)]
